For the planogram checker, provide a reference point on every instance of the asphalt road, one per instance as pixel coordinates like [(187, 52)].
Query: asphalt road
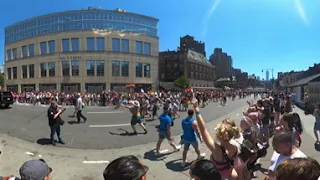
[(106, 128)]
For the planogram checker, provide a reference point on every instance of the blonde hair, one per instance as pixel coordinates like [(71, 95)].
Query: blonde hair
[(226, 132), (229, 121), (251, 109)]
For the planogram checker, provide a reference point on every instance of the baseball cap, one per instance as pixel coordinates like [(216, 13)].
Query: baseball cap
[(34, 170)]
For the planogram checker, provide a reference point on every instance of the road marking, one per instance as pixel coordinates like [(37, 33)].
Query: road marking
[(95, 162), (112, 112), (219, 106), (238, 114), (30, 153), (110, 125)]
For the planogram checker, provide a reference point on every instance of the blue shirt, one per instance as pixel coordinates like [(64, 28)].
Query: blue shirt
[(165, 120), (188, 131)]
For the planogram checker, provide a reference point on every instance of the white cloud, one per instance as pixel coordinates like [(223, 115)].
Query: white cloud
[(208, 15), (301, 11)]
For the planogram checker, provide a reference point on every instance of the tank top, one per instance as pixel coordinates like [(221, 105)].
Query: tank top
[(188, 131)]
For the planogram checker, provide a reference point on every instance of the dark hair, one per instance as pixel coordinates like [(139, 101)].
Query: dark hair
[(205, 170), (297, 123), (190, 112), (282, 138), (125, 168)]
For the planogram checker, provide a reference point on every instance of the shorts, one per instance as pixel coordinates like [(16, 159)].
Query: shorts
[(134, 120), (187, 144), (316, 127), (265, 130), (164, 135)]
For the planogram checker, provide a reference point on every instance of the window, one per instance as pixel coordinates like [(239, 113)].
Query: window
[(90, 44), (24, 70), (9, 74), (43, 70), (31, 49), (43, 48), (15, 72), (125, 45), (90, 68), (75, 68), (100, 44), (115, 45), (65, 68), (52, 69), (75, 44), (9, 57), (146, 70), (115, 68), (100, 68), (139, 69), (125, 68), (31, 70), (65, 45), (52, 46), (146, 48), (14, 53), (24, 50), (138, 47)]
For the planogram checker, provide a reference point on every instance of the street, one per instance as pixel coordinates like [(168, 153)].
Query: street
[(89, 163)]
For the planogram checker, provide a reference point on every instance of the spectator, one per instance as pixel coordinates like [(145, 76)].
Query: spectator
[(33, 170), (204, 170), (125, 168), (298, 169)]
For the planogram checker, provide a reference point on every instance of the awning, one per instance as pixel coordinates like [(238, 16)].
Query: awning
[(304, 81)]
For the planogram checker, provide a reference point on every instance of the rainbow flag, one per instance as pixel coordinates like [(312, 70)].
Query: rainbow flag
[(139, 117), (130, 85)]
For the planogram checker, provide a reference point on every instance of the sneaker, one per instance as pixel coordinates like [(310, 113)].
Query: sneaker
[(61, 142), (53, 143), (85, 120), (202, 156), (178, 148), (135, 133), (183, 164), (145, 131), (317, 143)]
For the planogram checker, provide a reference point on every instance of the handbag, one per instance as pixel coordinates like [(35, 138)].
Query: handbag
[(61, 122)]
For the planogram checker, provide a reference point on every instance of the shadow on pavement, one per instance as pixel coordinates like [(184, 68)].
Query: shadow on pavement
[(151, 156), (175, 165), (125, 133), (44, 141), (73, 122), (5, 108)]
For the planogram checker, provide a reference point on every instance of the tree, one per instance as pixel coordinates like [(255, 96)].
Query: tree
[(1, 79), (182, 82)]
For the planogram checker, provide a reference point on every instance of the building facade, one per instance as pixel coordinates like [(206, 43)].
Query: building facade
[(173, 64), (85, 50), (189, 43), (223, 63)]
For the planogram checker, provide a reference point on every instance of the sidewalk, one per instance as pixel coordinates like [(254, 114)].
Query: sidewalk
[(75, 164)]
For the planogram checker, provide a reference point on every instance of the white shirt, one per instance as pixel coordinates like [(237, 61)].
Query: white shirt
[(277, 159), (79, 103)]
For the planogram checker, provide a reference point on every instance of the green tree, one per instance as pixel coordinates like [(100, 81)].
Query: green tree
[(1, 79), (182, 82)]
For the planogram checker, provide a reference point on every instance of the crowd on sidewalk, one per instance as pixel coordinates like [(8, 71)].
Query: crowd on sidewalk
[(235, 149)]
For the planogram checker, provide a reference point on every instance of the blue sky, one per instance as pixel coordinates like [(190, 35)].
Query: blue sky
[(258, 34)]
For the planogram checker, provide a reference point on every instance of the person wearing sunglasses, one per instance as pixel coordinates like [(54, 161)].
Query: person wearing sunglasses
[(125, 168)]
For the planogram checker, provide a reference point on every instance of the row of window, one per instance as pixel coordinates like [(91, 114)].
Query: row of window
[(81, 20), (72, 68), (73, 45), (200, 76)]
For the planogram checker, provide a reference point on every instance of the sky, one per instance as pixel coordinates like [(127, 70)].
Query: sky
[(282, 35)]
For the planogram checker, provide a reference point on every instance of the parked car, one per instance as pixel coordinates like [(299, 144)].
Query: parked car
[(6, 99)]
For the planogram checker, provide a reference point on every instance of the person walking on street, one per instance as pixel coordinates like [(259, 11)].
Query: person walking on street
[(189, 137), (79, 108), (134, 108), (55, 122)]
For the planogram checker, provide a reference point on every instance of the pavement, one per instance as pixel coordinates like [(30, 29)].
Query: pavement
[(105, 128), (88, 164)]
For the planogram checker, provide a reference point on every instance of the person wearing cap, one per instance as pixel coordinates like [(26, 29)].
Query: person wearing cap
[(134, 108), (32, 170)]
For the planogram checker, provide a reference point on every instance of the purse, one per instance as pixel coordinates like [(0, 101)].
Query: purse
[(61, 122)]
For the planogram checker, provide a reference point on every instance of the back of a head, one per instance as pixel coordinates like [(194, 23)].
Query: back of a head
[(282, 138), (34, 170), (204, 170), (298, 169), (124, 168), (226, 132)]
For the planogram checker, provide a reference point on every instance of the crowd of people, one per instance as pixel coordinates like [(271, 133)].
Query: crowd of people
[(234, 149)]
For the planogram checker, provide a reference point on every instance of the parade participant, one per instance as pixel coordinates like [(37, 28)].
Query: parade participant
[(55, 122), (165, 131), (79, 108), (189, 137), (134, 107)]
